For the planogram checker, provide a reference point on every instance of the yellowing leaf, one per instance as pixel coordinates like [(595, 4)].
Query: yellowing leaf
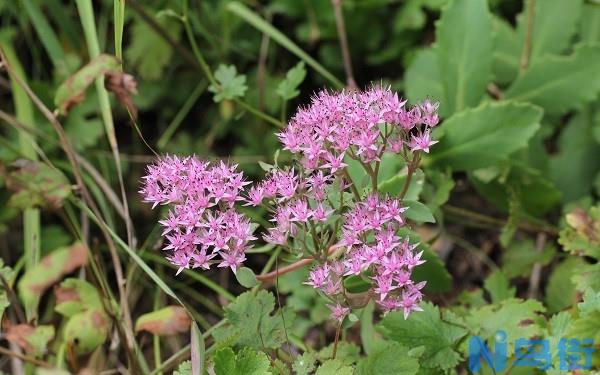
[(164, 322)]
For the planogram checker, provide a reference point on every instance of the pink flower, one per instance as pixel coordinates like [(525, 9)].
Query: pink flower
[(338, 312), (421, 142), (318, 276)]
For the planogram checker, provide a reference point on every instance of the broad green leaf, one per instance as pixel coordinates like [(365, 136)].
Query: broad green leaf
[(520, 256), (576, 147), (34, 340), (393, 186), (587, 325), (230, 84), (560, 290), (334, 367), (251, 316), (437, 190), (72, 91), (507, 51), (547, 38), (590, 23), (36, 185), (245, 362), (560, 83), (48, 271), (498, 286), (74, 296), (167, 321), (427, 329), (485, 135), (368, 336), (83, 128), (418, 212), (464, 42), (347, 353), (246, 277), (389, 359), (85, 331), (422, 79), (518, 318), (148, 51), (288, 88)]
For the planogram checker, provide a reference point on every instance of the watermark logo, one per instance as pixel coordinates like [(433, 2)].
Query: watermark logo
[(573, 354)]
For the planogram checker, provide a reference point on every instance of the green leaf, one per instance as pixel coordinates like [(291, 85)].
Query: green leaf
[(433, 271), (559, 84), (72, 91), (74, 296), (304, 364), (288, 88), (251, 316), (498, 286), (464, 42), (576, 146), (48, 271), (197, 349), (33, 339), (84, 131), (507, 51), (246, 277), (427, 329), (547, 38), (590, 23), (394, 185), (148, 51), (437, 190), (245, 362), (520, 256), (419, 212), (87, 330), (167, 321), (389, 359), (484, 136), (4, 302), (36, 184), (185, 368), (334, 367), (588, 323), (560, 290), (231, 85), (422, 79), (518, 318)]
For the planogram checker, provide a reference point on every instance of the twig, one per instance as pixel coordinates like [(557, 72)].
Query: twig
[(25, 358), (341, 31), (528, 37), (337, 339), (412, 166), (291, 267), (536, 272)]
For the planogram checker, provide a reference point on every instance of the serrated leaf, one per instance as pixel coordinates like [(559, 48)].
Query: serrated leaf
[(304, 364), (251, 316), (426, 329), (184, 368), (167, 321), (230, 84), (483, 136), (389, 359), (246, 277), (148, 51), (559, 84), (245, 362), (422, 79), (498, 286), (334, 367), (464, 46), (288, 88), (516, 317)]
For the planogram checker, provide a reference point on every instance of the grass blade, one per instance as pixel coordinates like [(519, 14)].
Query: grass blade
[(198, 350), (47, 35)]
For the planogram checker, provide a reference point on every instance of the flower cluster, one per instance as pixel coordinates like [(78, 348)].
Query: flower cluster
[(373, 248), (360, 124), (203, 222)]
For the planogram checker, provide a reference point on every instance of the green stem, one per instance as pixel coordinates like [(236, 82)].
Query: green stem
[(119, 12)]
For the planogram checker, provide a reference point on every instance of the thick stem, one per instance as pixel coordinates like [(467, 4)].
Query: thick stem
[(528, 37), (412, 166)]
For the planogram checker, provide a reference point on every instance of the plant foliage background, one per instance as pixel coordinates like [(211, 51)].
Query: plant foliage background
[(509, 216)]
